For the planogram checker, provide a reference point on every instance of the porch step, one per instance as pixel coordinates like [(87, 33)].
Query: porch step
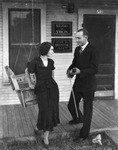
[(104, 98), (105, 94)]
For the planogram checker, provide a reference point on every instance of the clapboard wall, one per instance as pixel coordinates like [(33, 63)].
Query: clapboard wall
[(54, 12)]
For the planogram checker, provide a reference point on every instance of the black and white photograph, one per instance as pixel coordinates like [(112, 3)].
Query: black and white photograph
[(59, 74)]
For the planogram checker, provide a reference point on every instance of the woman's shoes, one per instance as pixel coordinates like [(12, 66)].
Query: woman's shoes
[(36, 131), (45, 145)]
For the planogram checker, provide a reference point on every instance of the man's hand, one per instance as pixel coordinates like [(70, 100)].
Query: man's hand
[(72, 72), (69, 74), (77, 71)]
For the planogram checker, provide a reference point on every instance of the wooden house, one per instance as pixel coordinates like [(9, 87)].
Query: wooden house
[(24, 24)]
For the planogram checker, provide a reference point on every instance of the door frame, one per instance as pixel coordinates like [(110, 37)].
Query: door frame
[(98, 11), (5, 7)]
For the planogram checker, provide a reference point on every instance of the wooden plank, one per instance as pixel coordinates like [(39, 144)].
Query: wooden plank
[(10, 122), (1, 121), (61, 128), (5, 121), (57, 129), (95, 122), (97, 119), (102, 117), (19, 121), (23, 120), (93, 125), (68, 116), (109, 122), (106, 114), (29, 123), (36, 108), (110, 105), (32, 114), (65, 110), (64, 120), (14, 120)]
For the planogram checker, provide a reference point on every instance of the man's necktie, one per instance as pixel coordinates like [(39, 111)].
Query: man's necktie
[(80, 50)]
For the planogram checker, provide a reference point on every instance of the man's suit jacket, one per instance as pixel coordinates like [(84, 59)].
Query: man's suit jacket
[(87, 62)]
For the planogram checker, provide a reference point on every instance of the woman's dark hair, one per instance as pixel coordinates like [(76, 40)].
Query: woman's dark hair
[(44, 48)]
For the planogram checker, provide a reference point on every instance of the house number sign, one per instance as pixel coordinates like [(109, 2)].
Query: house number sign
[(100, 12), (61, 28)]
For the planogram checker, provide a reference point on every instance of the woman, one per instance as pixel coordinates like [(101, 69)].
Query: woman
[(46, 90)]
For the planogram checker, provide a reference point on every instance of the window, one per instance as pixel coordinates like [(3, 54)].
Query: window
[(12, 40), (24, 37)]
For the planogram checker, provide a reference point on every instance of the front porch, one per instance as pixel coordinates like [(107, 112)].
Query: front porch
[(17, 122)]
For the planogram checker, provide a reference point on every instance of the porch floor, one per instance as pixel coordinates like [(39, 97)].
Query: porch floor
[(16, 121)]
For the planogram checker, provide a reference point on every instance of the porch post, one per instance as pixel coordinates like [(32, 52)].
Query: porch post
[(116, 61)]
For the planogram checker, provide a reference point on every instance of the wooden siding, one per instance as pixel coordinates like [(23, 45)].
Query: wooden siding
[(98, 3), (8, 96), (1, 46), (55, 12)]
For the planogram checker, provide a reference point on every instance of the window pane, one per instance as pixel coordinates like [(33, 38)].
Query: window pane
[(24, 38), (24, 24)]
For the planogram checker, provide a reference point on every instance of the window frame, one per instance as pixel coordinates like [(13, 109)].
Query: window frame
[(6, 7)]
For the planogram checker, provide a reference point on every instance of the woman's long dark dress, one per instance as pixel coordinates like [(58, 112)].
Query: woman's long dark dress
[(47, 93)]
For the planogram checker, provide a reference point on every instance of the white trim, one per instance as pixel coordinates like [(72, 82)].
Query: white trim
[(81, 13), (5, 7), (5, 43), (116, 61)]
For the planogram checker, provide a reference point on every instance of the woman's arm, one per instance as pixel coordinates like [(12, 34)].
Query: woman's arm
[(28, 77)]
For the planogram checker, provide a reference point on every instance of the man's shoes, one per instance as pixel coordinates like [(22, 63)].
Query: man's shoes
[(78, 139), (76, 121)]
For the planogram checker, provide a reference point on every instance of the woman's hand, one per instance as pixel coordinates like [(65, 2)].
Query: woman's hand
[(32, 86), (28, 78)]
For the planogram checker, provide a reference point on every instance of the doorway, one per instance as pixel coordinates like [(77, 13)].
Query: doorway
[(101, 30)]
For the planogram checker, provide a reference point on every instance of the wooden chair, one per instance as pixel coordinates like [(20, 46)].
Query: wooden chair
[(20, 84)]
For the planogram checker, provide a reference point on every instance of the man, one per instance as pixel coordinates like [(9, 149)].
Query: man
[(84, 66)]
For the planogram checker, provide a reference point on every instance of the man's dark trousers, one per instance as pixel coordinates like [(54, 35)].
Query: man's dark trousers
[(87, 110)]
